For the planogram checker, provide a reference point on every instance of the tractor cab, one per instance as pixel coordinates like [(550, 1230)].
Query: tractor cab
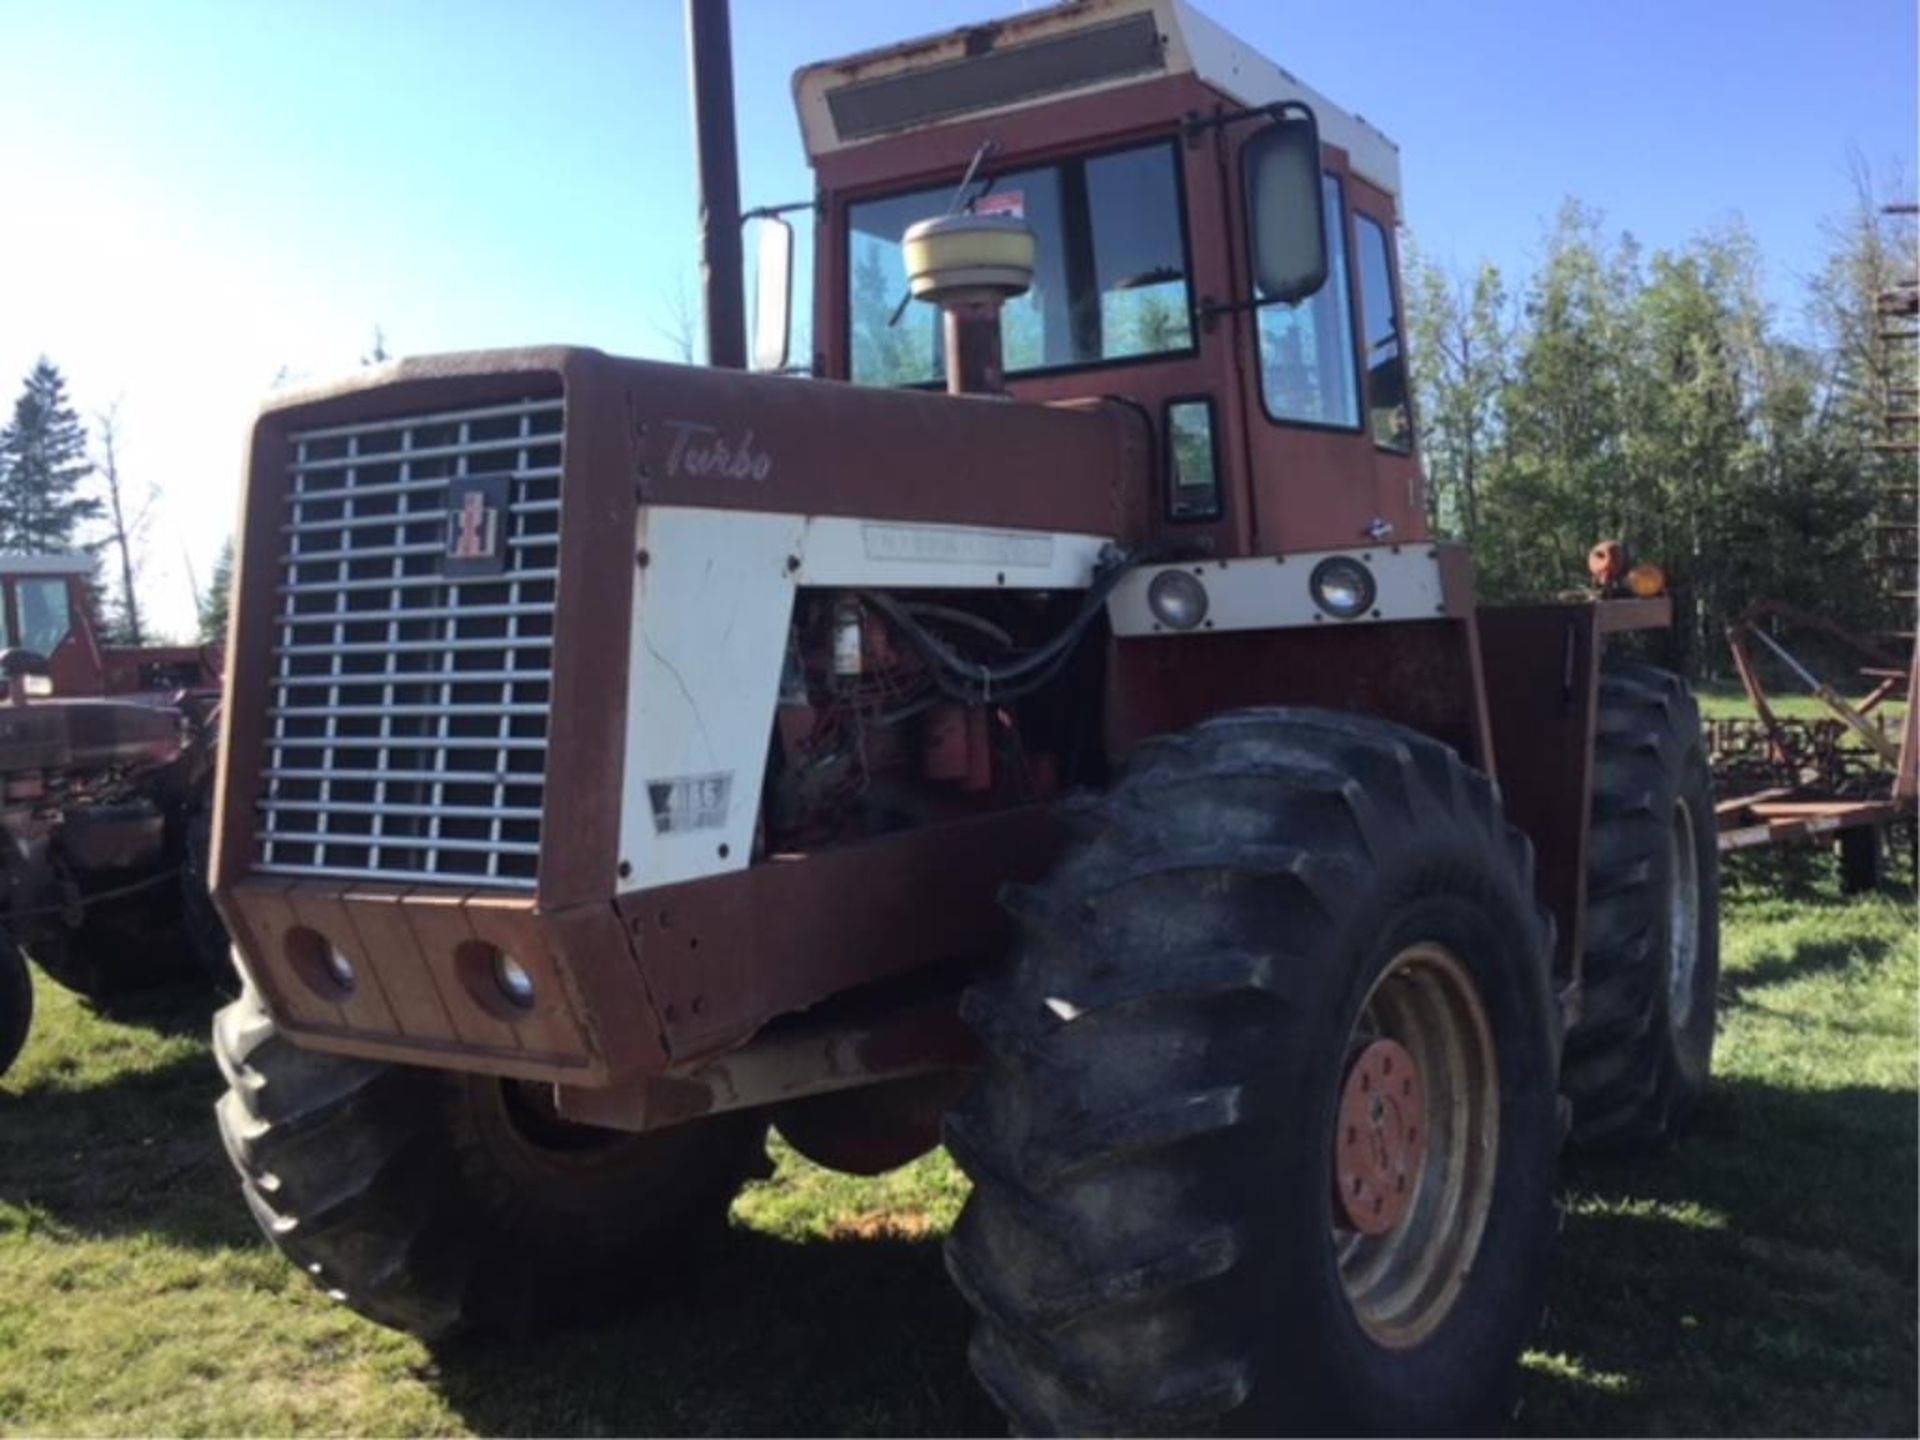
[(1135, 139), (44, 611), (47, 611)]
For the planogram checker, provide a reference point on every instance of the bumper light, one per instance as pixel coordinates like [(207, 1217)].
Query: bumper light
[(1178, 600), (340, 968), (1342, 587), (514, 981)]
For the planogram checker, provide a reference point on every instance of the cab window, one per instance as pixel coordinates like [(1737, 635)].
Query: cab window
[(1387, 412), (45, 613), (1306, 349), (1111, 282)]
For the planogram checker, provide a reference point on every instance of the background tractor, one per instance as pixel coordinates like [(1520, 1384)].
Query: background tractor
[(106, 759), (1049, 727)]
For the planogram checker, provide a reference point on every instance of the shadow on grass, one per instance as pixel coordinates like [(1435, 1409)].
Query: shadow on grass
[(1757, 1280), (1806, 874), (1810, 957), (772, 1337), (178, 1007), (135, 1154)]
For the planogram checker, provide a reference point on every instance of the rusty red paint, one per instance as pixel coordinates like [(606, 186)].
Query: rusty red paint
[(1380, 1140), (1542, 685)]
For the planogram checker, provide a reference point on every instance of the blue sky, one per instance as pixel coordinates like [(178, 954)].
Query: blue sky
[(201, 193)]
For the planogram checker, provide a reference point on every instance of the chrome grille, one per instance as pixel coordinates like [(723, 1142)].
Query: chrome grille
[(408, 709)]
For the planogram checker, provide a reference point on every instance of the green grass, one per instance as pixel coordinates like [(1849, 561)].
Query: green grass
[(1759, 1281), (1725, 700)]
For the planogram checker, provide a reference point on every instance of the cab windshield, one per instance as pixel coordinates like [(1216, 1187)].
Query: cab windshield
[(1111, 283)]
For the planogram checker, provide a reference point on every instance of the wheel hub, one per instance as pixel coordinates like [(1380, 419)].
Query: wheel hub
[(1381, 1145)]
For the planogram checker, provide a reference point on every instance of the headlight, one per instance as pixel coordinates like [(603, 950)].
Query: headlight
[(514, 981), (1342, 587), (1178, 599)]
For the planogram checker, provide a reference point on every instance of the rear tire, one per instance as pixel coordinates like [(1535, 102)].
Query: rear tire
[(448, 1204), (1639, 1058), (1153, 1243), (16, 1003)]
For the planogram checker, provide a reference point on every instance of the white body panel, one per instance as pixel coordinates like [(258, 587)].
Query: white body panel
[(708, 638), (1190, 44), (1231, 65), (1271, 592)]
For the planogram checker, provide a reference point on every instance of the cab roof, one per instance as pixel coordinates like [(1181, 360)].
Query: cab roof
[(1045, 55), (45, 565)]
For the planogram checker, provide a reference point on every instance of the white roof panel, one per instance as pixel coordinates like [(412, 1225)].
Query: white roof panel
[(1189, 44)]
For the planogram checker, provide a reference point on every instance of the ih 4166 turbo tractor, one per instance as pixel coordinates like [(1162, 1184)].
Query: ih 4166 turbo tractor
[(1097, 767)]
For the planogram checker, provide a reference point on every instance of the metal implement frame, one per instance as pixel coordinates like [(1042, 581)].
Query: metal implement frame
[(1796, 810)]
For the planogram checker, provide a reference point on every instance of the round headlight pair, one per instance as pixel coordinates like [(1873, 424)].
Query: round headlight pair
[(508, 973), (1343, 587)]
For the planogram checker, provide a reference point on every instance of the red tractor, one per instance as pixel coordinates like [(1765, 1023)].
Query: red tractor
[(1050, 729), (106, 759)]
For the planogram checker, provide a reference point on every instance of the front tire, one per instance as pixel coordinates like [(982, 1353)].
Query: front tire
[(1192, 1022), (1639, 1058), (448, 1204)]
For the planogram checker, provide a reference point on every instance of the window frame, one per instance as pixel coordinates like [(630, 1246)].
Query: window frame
[(1169, 141), (1219, 510), (1395, 303), (54, 583), (1360, 426)]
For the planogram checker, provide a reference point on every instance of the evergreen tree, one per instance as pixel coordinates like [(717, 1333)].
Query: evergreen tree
[(43, 460), (214, 603)]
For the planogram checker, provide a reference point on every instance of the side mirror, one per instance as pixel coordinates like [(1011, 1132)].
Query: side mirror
[(1286, 208), (772, 294)]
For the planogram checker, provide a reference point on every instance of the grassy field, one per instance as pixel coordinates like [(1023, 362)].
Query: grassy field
[(1725, 700), (1759, 1281)]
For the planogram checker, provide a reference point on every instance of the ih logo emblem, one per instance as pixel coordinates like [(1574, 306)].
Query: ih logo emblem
[(476, 525)]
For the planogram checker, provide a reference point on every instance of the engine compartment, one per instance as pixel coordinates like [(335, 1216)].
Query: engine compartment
[(888, 715)]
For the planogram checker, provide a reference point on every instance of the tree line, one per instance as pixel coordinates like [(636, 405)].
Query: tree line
[(1658, 399)]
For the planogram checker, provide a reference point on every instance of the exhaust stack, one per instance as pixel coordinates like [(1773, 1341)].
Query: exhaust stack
[(971, 265), (717, 162)]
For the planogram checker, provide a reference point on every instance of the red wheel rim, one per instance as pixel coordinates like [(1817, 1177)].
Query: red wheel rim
[(1382, 1145)]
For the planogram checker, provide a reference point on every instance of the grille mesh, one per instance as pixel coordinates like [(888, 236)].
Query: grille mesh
[(408, 710)]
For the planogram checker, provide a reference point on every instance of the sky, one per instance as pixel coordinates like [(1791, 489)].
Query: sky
[(201, 195)]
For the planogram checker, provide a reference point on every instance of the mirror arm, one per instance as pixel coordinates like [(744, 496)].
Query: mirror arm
[(1197, 124), (1210, 310), (773, 212)]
